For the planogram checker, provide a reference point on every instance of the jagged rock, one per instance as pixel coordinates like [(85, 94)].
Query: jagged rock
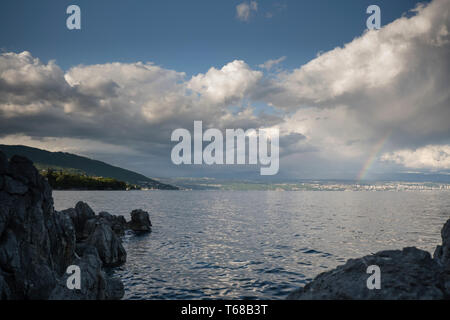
[(407, 274), (140, 221), (117, 223), (13, 186), (410, 273), (3, 163), (109, 247), (95, 284), (442, 252), (79, 215), (22, 169), (5, 293), (37, 244)]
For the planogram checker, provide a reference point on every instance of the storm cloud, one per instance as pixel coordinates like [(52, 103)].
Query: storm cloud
[(389, 84)]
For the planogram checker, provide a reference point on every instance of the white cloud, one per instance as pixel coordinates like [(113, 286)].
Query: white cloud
[(227, 85), (428, 157), (128, 104), (334, 109), (269, 64), (245, 9), (389, 80)]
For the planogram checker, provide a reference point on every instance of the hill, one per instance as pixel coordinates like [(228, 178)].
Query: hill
[(77, 164)]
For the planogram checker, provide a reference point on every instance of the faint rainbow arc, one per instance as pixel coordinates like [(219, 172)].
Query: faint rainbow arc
[(373, 155)]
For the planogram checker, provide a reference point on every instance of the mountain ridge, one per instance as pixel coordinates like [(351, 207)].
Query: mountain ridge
[(64, 160)]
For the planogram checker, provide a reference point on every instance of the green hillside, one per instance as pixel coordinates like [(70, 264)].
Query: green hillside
[(72, 163)]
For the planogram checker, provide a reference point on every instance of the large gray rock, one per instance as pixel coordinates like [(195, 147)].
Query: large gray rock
[(13, 186), (109, 247), (95, 284), (79, 215), (442, 252), (37, 244), (140, 221), (407, 274), (410, 273), (3, 163), (117, 223)]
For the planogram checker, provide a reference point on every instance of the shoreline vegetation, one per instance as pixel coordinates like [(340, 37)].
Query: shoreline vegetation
[(64, 180), (72, 172), (39, 244)]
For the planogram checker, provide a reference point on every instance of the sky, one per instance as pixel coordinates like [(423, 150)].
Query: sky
[(349, 103)]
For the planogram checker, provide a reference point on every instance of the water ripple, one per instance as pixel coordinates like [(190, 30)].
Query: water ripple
[(259, 245)]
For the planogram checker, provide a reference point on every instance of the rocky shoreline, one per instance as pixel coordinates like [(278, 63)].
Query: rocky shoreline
[(408, 274), (38, 243)]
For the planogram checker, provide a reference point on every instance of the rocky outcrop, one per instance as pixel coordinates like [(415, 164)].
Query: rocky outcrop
[(442, 252), (407, 274), (140, 221), (38, 244), (108, 245)]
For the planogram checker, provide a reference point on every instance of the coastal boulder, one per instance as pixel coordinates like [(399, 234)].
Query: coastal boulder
[(405, 274), (108, 245), (3, 163), (140, 221), (95, 284), (442, 252), (79, 215), (410, 273), (117, 223), (37, 243)]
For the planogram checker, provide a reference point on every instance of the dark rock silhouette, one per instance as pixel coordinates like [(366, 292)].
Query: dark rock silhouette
[(442, 252), (108, 245), (38, 244), (140, 221), (407, 274)]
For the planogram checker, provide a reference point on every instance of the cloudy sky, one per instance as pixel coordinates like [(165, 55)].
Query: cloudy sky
[(349, 103)]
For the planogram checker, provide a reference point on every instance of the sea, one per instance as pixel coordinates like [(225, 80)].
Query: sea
[(258, 244)]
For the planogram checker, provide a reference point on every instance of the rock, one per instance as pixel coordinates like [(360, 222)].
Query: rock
[(37, 243), (406, 274), (5, 293), (13, 186), (442, 253), (117, 223), (140, 221), (79, 215), (109, 247), (95, 284), (22, 169), (3, 163)]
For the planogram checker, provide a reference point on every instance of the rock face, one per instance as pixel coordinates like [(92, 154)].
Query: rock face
[(140, 221), (442, 253), (37, 243), (109, 247), (405, 274)]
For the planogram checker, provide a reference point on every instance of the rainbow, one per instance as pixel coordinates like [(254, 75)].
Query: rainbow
[(373, 155)]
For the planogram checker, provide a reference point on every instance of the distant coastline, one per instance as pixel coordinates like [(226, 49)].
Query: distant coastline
[(73, 172)]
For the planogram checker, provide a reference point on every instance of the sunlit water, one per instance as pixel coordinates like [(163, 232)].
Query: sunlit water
[(255, 244)]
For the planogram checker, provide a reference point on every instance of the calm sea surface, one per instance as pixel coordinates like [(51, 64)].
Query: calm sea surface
[(257, 244)]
